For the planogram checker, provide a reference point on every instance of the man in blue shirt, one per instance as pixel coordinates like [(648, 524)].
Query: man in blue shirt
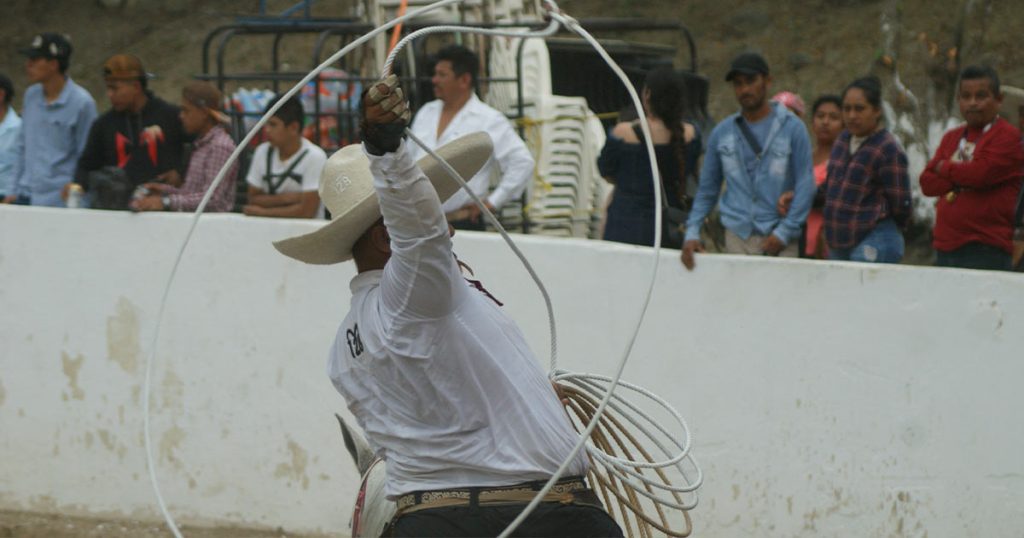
[(10, 132), (56, 118), (760, 152)]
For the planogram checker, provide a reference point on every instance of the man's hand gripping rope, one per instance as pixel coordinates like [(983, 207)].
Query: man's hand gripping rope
[(385, 114)]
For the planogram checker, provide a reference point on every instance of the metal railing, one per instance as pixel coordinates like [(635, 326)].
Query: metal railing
[(604, 97)]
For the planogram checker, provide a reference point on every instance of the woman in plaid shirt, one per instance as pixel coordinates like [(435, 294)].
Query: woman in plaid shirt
[(867, 192)]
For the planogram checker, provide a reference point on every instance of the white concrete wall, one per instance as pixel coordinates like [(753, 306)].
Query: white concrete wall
[(825, 399)]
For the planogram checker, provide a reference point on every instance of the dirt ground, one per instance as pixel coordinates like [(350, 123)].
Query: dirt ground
[(33, 525)]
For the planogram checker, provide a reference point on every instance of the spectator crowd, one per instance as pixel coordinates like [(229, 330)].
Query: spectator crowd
[(846, 197), (143, 154), (839, 190)]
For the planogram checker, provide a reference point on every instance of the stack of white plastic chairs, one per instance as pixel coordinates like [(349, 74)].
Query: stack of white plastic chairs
[(503, 96), (444, 15), (559, 148), (567, 195)]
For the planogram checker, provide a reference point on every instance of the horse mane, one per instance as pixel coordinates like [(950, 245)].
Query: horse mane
[(357, 447)]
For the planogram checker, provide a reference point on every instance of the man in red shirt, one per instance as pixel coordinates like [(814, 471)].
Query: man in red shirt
[(976, 173)]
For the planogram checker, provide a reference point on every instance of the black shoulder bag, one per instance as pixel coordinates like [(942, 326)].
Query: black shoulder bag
[(755, 146), (111, 188)]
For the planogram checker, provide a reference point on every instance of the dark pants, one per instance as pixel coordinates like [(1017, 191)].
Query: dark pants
[(975, 256), (551, 519)]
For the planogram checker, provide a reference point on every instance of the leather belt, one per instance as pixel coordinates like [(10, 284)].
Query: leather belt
[(520, 493)]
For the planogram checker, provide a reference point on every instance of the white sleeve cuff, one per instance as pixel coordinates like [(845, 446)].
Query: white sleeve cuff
[(394, 169)]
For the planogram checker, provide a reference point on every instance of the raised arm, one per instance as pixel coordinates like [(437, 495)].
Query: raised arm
[(421, 278)]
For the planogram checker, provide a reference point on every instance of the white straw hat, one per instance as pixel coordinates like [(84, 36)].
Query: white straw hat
[(346, 188)]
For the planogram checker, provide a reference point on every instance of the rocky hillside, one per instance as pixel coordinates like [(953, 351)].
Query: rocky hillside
[(817, 46), (814, 46)]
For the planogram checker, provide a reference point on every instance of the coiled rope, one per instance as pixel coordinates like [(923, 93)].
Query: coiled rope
[(617, 435), (622, 478)]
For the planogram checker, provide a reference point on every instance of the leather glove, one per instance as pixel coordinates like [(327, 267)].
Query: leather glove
[(384, 114)]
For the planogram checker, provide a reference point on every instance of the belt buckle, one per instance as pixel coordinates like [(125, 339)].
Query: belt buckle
[(405, 501)]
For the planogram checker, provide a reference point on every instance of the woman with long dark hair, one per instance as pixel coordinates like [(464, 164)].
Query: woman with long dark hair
[(867, 191), (624, 161)]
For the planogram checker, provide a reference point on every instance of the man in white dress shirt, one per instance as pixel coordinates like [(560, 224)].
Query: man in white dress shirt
[(438, 376), (458, 111)]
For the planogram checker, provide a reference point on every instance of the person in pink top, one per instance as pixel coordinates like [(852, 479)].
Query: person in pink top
[(826, 124), (792, 101)]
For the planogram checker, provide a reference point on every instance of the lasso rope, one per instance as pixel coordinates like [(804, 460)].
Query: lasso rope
[(622, 474), (150, 463), (617, 467)]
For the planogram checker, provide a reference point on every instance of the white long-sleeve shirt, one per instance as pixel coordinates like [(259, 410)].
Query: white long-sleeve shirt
[(513, 159), (439, 377)]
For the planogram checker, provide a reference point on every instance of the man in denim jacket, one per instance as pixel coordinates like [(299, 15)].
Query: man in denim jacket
[(760, 152)]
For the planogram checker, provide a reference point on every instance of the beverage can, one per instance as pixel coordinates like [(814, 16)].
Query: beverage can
[(75, 192)]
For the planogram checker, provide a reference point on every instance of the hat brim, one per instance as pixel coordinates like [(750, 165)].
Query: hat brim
[(36, 53), (333, 242), (129, 76), (742, 71), (218, 116)]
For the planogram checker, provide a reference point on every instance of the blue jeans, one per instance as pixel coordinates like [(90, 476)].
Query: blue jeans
[(883, 245)]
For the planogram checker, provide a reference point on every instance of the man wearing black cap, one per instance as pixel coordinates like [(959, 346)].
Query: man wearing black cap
[(141, 134), (760, 153), (56, 117)]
